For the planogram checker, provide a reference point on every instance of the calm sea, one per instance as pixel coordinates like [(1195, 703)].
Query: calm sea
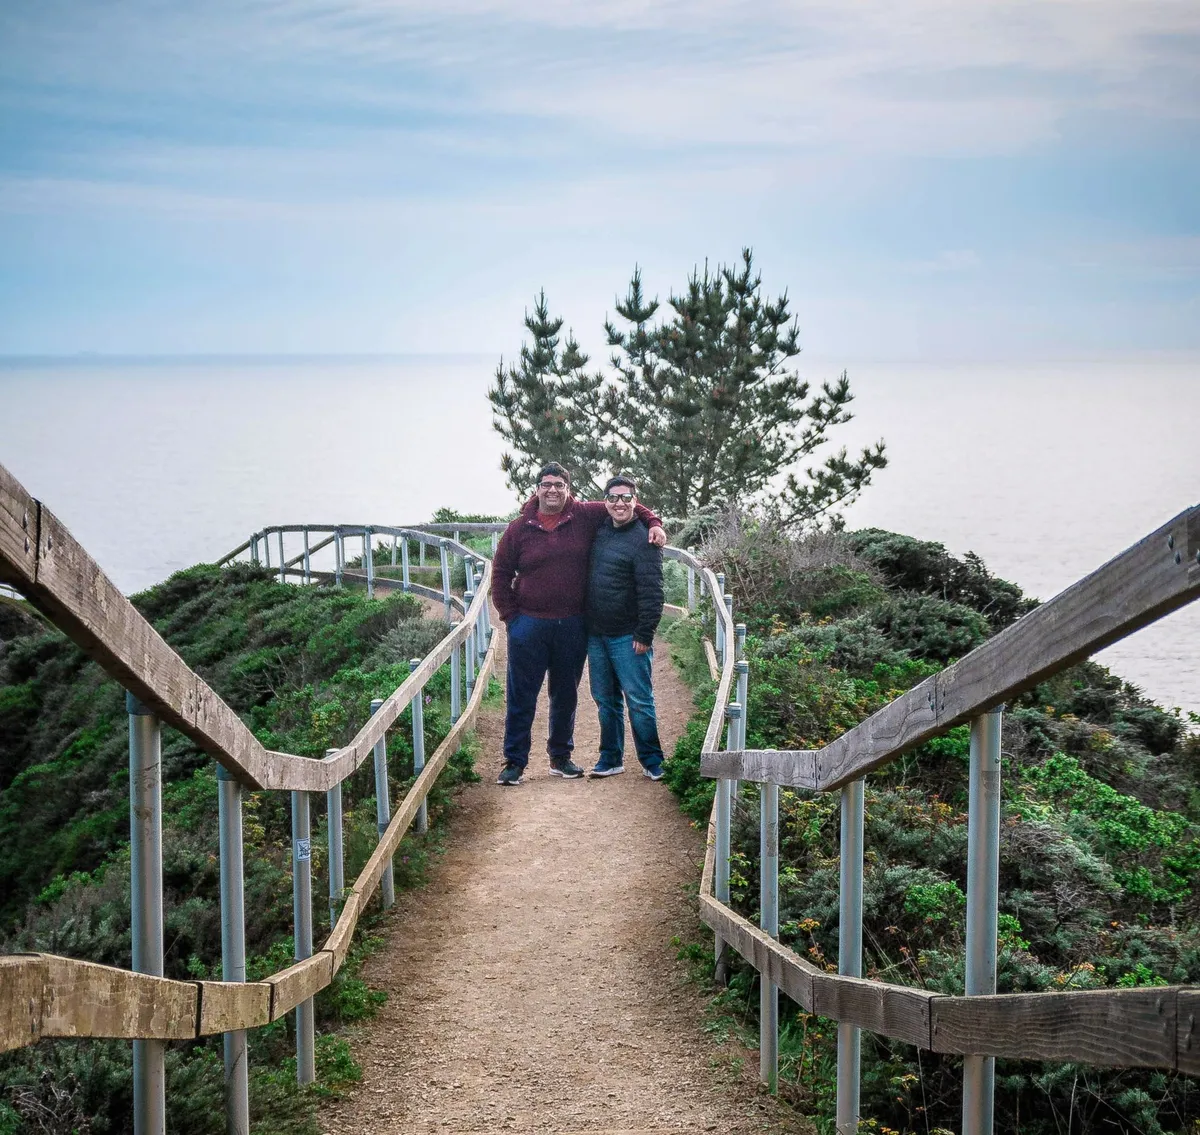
[(1045, 470)]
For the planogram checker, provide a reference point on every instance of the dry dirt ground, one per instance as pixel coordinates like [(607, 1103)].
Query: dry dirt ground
[(533, 984)]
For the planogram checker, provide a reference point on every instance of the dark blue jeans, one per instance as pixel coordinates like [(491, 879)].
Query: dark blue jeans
[(615, 670), (537, 647)]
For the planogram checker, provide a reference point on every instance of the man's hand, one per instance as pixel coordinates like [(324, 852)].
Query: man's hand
[(641, 647), (658, 536)]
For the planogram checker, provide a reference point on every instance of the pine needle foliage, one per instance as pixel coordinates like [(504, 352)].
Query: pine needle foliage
[(701, 405)]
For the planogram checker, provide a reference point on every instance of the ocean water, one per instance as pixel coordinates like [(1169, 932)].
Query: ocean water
[(1046, 470)]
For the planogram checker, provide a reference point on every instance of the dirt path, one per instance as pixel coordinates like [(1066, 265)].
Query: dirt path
[(533, 985)]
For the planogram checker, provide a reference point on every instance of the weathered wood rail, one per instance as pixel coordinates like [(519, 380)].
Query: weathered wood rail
[(1155, 1027), (43, 995)]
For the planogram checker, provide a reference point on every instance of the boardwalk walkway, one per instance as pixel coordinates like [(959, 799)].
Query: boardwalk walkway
[(533, 985)]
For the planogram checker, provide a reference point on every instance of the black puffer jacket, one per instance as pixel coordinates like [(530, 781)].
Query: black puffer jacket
[(625, 582)]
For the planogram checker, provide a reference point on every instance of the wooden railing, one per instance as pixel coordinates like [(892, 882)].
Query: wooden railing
[(48, 996), (1149, 1027), (42, 995)]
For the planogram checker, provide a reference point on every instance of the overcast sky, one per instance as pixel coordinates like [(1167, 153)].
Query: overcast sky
[(928, 179)]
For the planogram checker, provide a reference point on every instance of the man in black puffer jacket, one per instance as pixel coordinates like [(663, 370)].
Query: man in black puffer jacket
[(624, 606)]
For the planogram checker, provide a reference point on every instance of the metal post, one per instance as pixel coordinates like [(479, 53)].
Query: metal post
[(254, 549), (418, 725), (338, 555), (233, 945), (307, 560), (739, 642), (369, 544), (266, 548), (729, 612), (404, 580), (395, 541), (457, 536), (337, 869), (455, 683), (691, 587), (146, 909), (983, 881), (383, 810), (282, 558), (719, 634), (742, 669), (421, 554), (481, 622), (495, 540), (850, 952), (469, 649), (306, 1065), (444, 549), (724, 803), (768, 905)]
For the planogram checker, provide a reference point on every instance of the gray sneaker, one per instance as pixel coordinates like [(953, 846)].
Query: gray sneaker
[(565, 768), (510, 774)]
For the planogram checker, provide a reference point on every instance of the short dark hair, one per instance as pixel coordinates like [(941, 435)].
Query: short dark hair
[(621, 479), (554, 469)]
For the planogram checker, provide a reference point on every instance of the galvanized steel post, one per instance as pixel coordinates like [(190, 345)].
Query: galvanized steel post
[(369, 559), (337, 869), (254, 549), (725, 646), (421, 554), (307, 560), (723, 813), (983, 882), (233, 945), (404, 580), (306, 1065), (691, 587), (146, 908), (768, 905), (719, 634), (739, 633), (455, 683), (495, 540), (850, 951), (395, 541), (418, 726), (444, 549), (383, 810), (742, 670), (481, 622), (282, 558), (338, 556), (469, 649)]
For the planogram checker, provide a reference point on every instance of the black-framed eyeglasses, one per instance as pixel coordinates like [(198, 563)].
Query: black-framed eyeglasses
[(619, 498), (550, 486)]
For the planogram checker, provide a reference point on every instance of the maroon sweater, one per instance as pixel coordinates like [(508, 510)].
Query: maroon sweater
[(544, 573)]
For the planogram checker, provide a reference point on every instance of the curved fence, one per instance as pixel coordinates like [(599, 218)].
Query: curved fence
[(41, 995), (44, 995), (1151, 1027)]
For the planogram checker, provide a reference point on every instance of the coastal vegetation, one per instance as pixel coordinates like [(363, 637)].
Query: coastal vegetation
[(1100, 845), (300, 665)]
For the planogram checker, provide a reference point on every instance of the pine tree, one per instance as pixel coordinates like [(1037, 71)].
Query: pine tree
[(702, 407), (548, 408)]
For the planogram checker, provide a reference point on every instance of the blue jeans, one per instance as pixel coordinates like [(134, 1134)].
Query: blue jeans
[(537, 647), (615, 670)]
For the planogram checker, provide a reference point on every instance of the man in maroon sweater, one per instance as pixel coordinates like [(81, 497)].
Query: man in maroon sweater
[(539, 584)]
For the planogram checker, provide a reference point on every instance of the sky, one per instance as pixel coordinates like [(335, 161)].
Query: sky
[(927, 180)]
